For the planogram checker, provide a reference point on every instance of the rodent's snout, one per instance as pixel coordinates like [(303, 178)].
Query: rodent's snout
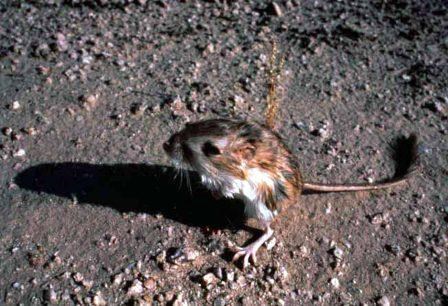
[(169, 146), (166, 146)]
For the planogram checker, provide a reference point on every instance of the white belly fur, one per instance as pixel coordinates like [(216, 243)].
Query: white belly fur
[(245, 190)]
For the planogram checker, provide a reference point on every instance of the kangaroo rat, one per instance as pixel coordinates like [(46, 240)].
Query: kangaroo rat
[(248, 161)]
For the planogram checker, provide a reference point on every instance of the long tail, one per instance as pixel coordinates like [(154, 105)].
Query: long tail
[(405, 154)]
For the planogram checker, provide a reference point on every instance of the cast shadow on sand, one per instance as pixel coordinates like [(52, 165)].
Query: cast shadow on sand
[(136, 188)]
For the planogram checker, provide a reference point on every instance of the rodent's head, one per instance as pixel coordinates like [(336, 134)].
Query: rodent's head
[(212, 146)]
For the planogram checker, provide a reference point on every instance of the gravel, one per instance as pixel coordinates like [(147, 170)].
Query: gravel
[(92, 213)]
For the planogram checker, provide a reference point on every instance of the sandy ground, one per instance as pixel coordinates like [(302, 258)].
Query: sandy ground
[(92, 213)]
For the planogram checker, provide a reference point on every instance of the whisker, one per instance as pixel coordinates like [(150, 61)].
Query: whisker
[(176, 174), (188, 181), (181, 178)]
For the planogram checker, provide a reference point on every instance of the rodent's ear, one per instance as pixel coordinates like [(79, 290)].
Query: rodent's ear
[(209, 149)]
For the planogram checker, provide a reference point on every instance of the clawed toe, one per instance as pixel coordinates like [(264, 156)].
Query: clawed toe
[(248, 252)]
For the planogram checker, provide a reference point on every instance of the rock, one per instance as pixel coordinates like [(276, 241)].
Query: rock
[(150, 284), (17, 285), (88, 284), (138, 109), (78, 277), (229, 276), (304, 251), (179, 109), (324, 132), (30, 131), (35, 260), (383, 301), (61, 42), (43, 70), (6, 131), (209, 279), (155, 109), (338, 253), (179, 301), (89, 102), (41, 50), (335, 283), (118, 279), (86, 59), (50, 296), (191, 254), (142, 302), (394, 249), (406, 77), (135, 289), (19, 153), (328, 209), (56, 259), (238, 102), (175, 255), (161, 258), (299, 125), (98, 299), (274, 9), (16, 136), (436, 107), (381, 218), (210, 48), (219, 301), (14, 106)]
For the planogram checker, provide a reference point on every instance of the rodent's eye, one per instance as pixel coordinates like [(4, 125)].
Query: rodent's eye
[(210, 149)]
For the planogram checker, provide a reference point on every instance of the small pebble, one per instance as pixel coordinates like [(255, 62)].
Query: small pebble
[(118, 279), (6, 131), (16, 136), (135, 289), (90, 102), (77, 277), (335, 283), (208, 279), (98, 299), (220, 301), (191, 255), (15, 105), (150, 283), (275, 9), (30, 131), (50, 296), (338, 253), (406, 77), (179, 109), (383, 301), (178, 300), (19, 153), (304, 251), (138, 109), (61, 42), (16, 285)]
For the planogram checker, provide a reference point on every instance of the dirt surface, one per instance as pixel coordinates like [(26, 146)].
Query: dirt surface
[(91, 212)]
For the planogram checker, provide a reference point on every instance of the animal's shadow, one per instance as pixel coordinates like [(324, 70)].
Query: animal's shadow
[(136, 188)]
